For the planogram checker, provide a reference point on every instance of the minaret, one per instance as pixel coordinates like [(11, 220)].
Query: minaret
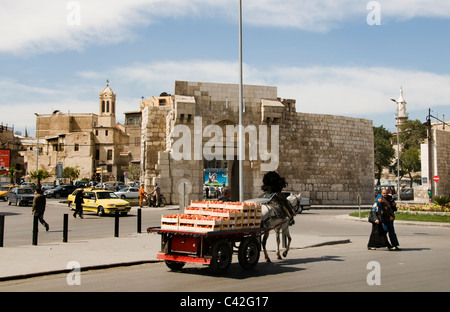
[(107, 107), (401, 115)]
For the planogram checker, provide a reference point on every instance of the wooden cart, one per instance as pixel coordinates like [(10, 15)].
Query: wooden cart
[(214, 248)]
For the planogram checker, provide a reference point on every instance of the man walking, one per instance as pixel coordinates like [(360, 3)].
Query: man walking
[(38, 208), (78, 204), (388, 207)]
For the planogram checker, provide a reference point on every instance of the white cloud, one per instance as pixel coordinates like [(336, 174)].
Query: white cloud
[(37, 26), (326, 90), (349, 91)]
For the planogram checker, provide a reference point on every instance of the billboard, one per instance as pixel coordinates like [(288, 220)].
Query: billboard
[(5, 158), (216, 177)]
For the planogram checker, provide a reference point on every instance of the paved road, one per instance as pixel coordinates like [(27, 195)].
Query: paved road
[(19, 222), (422, 265)]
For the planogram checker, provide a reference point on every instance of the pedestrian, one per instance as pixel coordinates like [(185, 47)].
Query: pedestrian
[(155, 195), (378, 236), (226, 195), (388, 206), (78, 204), (38, 208), (142, 195)]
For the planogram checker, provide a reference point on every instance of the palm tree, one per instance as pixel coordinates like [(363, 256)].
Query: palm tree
[(38, 176)]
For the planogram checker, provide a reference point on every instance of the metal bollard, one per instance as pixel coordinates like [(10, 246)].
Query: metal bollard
[(116, 224), (139, 220), (65, 227), (35, 230), (2, 229)]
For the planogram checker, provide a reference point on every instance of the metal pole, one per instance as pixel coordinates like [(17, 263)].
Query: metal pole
[(116, 224), (139, 218), (241, 122), (2, 229), (65, 227), (35, 230)]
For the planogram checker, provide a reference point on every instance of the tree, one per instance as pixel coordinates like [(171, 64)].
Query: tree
[(383, 150), (410, 162), (71, 173), (38, 176), (11, 173), (412, 133)]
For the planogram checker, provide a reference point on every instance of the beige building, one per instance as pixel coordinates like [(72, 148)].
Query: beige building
[(86, 140), (329, 159)]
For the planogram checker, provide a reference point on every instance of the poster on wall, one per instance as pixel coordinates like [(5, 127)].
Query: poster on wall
[(5, 158), (216, 177)]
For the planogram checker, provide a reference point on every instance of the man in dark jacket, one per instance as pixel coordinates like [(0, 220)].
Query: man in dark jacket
[(388, 207), (38, 208), (78, 201)]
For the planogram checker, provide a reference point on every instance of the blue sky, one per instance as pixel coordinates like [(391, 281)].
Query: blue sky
[(57, 54)]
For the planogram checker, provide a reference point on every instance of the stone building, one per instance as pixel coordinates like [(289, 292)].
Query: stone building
[(85, 140), (329, 159)]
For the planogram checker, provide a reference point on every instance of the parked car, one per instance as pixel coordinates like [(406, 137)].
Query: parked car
[(304, 203), (60, 191), (405, 194), (4, 189), (20, 195), (389, 188), (29, 184), (102, 202), (47, 186), (128, 192)]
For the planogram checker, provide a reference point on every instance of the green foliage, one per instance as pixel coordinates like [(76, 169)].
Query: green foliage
[(441, 200)]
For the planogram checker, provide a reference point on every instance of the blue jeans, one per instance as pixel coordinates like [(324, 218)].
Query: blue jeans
[(389, 228)]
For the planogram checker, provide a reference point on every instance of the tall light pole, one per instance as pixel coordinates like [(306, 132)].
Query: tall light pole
[(241, 121)]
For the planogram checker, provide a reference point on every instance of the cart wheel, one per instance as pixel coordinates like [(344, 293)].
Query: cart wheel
[(221, 257), (173, 265), (248, 254)]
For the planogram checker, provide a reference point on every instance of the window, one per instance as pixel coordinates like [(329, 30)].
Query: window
[(109, 155), (106, 132), (103, 106), (137, 141), (77, 147)]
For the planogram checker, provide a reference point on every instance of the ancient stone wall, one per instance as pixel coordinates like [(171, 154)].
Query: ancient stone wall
[(327, 158)]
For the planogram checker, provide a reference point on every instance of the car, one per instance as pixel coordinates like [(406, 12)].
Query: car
[(304, 203), (4, 189), (20, 195), (128, 192), (389, 188), (60, 191), (46, 186), (405, 194), (29, 184), (101, 202)]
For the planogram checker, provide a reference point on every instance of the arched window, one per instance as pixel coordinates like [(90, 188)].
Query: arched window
[(103, 106), (107, 106)]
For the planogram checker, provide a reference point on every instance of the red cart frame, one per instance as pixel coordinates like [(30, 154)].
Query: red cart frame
[(213, 248)]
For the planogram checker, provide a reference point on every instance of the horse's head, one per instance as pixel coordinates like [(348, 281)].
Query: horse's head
[(294, 200)]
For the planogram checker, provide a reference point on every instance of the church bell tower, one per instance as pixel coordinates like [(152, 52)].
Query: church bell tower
[(107, 107)]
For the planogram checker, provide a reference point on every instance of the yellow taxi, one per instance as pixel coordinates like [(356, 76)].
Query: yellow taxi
[(5, 189), (101, 202)]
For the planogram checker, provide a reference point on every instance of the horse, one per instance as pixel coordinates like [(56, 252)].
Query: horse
[(274, 219)]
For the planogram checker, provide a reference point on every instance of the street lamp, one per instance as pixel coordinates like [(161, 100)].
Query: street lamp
[(241, 122)]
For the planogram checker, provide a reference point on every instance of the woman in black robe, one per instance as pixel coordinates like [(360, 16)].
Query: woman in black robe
[(378, 236)]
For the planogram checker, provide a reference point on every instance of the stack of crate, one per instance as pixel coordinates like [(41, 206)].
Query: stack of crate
[(205, 216)]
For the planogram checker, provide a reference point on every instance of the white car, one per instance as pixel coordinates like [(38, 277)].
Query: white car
[(303, 204), (128, 192)]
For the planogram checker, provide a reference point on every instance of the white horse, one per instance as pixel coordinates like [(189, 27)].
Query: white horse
[(279, 222)]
